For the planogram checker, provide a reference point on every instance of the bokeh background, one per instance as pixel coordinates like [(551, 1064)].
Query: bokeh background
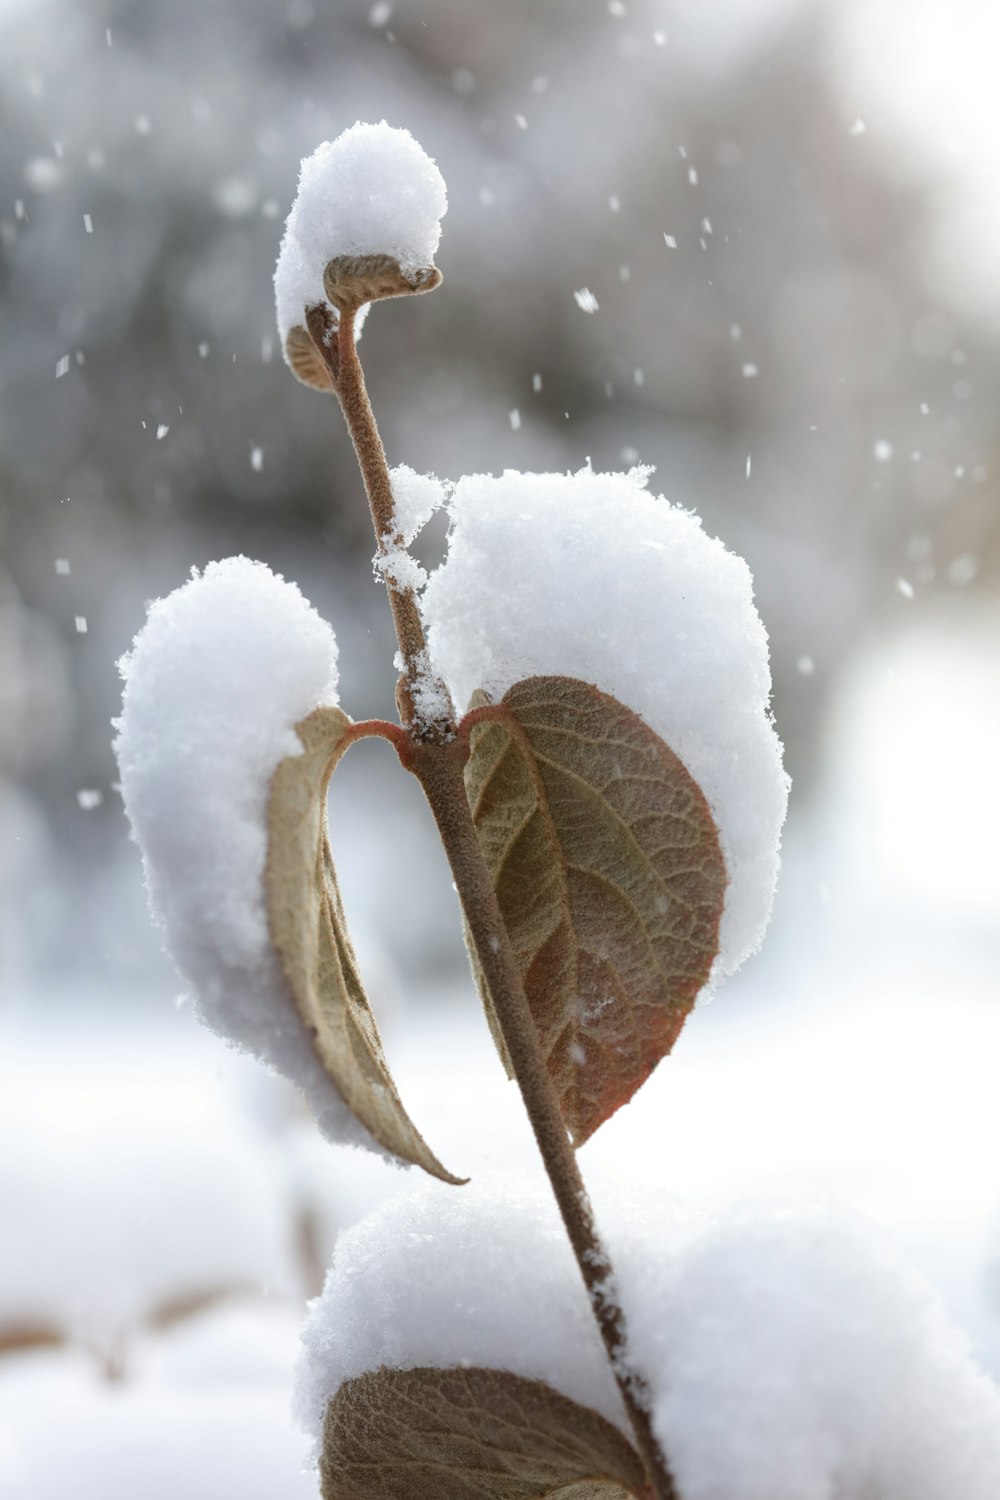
[(788, 214)]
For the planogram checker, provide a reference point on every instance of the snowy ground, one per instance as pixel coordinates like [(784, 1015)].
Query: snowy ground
[(166, 1210)]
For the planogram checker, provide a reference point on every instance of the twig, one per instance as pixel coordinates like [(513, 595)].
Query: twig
[(349, 384), (436, 756)]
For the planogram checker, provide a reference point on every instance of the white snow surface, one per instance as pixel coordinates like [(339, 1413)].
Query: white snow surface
[(415, 498), (589, 575), (396, 567), (374, 190), (298, 285), (234, 1344), (64, 1435), (218, 677), (789, 1356), (121, 1196)]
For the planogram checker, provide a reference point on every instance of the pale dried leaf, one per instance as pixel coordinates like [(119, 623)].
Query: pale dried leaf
[(470, 1434), (607, 866), (309, 933), (305, 360)]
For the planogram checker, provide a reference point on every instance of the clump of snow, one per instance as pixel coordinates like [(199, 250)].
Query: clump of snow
[(298, 285), (396, 567), (788, 1357), (497, 1283), (222, 671), (430, 695), (415, 498), (795, 1355), (589, 575), (372, 191)]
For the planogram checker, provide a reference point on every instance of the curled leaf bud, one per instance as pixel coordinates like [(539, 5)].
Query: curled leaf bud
[(364, 226), (352, 280)]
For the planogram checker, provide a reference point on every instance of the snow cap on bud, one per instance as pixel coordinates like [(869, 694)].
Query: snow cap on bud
[(365, 225)]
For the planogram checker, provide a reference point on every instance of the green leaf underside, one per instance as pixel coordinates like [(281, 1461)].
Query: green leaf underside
[(607, 867), (309, 933), (470, 1434)]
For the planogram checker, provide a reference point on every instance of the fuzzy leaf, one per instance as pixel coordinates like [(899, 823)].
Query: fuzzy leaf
[(305, 360), (309, 932), (470, 1434), (607, 867), (352, 280)]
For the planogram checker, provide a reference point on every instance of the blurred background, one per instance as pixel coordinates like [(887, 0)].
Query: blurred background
[(788, 214)]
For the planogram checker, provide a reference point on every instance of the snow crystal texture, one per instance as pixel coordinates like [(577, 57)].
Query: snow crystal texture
[(223, 670), (415, 498), (298, 285), (374, 190), (589, 575), (788, 1357), (494, 1285)]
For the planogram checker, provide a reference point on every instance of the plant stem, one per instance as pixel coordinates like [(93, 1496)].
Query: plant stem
[(437, 757), (349, 384), (439, 769)]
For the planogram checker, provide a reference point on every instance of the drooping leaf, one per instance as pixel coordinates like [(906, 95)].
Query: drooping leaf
[(310, 935), (305, 360), (470, 1434), (608, 871)]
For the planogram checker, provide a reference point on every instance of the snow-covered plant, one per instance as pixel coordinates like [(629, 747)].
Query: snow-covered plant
[(584, 699)]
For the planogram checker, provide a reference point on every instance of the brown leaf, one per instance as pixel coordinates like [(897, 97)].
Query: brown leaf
[(305, 360), (607, 867), (470, 1434), (309, 932), (16, 1337), (351, 280)]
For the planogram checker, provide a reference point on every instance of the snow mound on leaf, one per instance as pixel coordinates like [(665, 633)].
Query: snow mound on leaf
[(788, 1356), (218, 677), (589, 575)]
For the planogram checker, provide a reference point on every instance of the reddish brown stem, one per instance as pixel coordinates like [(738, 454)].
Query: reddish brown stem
[(436, 754), (416, 680), (439, 769), (383, 729)]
